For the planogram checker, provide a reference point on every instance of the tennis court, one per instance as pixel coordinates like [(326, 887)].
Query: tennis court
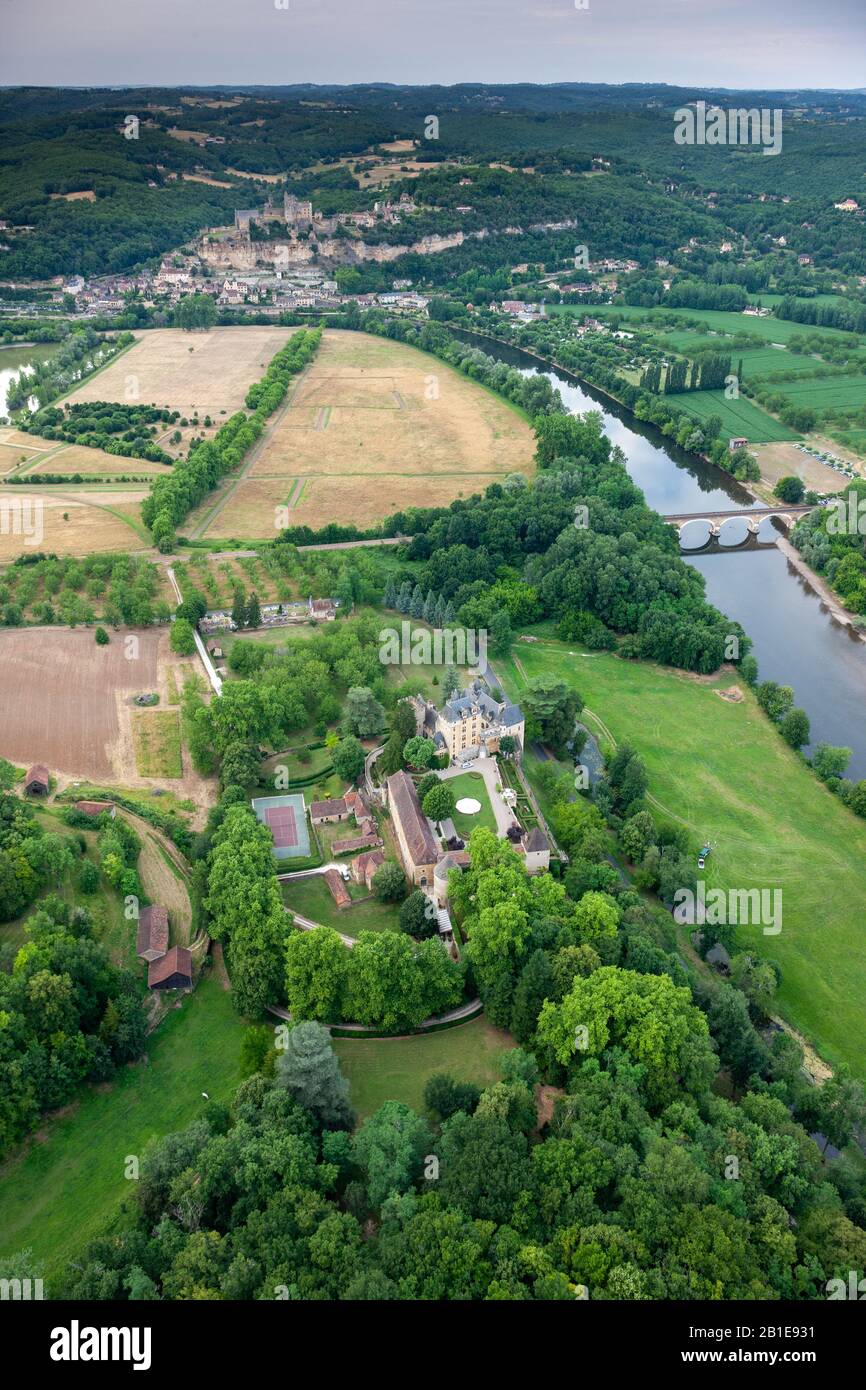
[(286, 818)]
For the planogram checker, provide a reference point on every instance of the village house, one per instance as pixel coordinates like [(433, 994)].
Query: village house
[(356, 842), (152, 937)]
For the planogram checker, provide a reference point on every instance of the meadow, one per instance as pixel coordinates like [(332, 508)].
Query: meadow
[(63, 1187), (721, 769), (740, 417)]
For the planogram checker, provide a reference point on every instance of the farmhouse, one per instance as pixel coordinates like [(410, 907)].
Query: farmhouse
[(470, 722), (37, 782), (173, 971), (418, 848), (152, 940)]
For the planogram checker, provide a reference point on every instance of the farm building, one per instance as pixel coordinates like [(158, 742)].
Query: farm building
[(418, 847), (173, 971), (37, 782), (339, 891), (364, 867), (95, 808), (325, 812), (152, 938), (356, 842)]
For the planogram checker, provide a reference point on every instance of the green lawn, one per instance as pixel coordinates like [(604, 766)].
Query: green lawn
[(311, 897), (380, 1069), (64, 1187), (724, 771), (471, 784)]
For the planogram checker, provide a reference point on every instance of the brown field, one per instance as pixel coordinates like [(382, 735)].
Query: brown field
[(200, 178), (11, 456), (77, 458), (363, 438), (62, 697), (781, 460), (40, 519), (208, 373), (87, 195)]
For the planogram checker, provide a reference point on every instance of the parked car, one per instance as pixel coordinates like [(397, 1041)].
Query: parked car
[(465, 766), (703, 856)]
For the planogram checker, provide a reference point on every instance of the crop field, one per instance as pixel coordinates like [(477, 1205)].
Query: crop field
[(826, 392), (62, 697), (769, 329), (723, 770), (374, 426), (739, 417), (205, 373)]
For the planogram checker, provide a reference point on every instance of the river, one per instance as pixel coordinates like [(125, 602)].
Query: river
[(13, 358), (796, 640)]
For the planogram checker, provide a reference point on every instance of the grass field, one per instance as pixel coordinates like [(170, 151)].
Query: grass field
[(311, 897), (205, 373), (373, 426), (156, 741), (739, 417), (65, 1186), (380, 1069), (67, 523), (722, 770), (471, 784)]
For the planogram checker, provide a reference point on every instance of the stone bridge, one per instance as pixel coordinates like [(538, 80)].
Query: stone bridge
[(787, 514)]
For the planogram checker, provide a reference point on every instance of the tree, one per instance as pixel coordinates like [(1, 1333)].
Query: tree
[(551, 708), (829, 761), (7, 775), (794, 728), (239, 608), (789, 489), (389, 883), (419, 752), (240, 765), (450, 682), (443, 1096), (390, 1148), (534, 986), (418, 916), (349, 758), (310, 1072), (365, 717), (195, 311), (316, 968), (101, 637), (775, 700), (182, 637), (254, 611), (439, 802)]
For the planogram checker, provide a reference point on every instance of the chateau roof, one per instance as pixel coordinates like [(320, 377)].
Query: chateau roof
[(406, 808)]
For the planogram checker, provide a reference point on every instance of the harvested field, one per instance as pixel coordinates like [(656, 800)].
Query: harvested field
[(783, 460), (375, 426), (77, 458), (72, 524), (156, 741), (62, 697), (208, 373)]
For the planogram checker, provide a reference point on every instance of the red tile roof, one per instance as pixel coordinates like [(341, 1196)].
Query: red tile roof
[(152, 930), (177, 961), (38, 773), (406, 810)]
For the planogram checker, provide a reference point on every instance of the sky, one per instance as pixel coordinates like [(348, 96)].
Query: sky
[(725, 43)]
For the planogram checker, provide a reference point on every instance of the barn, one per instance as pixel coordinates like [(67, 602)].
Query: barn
[(172, 971), (152, 940), (37, 782)]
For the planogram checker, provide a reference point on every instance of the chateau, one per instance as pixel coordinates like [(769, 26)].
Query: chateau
[(469, 724)]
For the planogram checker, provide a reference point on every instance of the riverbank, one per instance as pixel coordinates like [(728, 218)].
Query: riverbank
[(830, 600)]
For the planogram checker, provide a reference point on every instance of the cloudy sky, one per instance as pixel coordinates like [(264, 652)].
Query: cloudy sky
[(731, 43)]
